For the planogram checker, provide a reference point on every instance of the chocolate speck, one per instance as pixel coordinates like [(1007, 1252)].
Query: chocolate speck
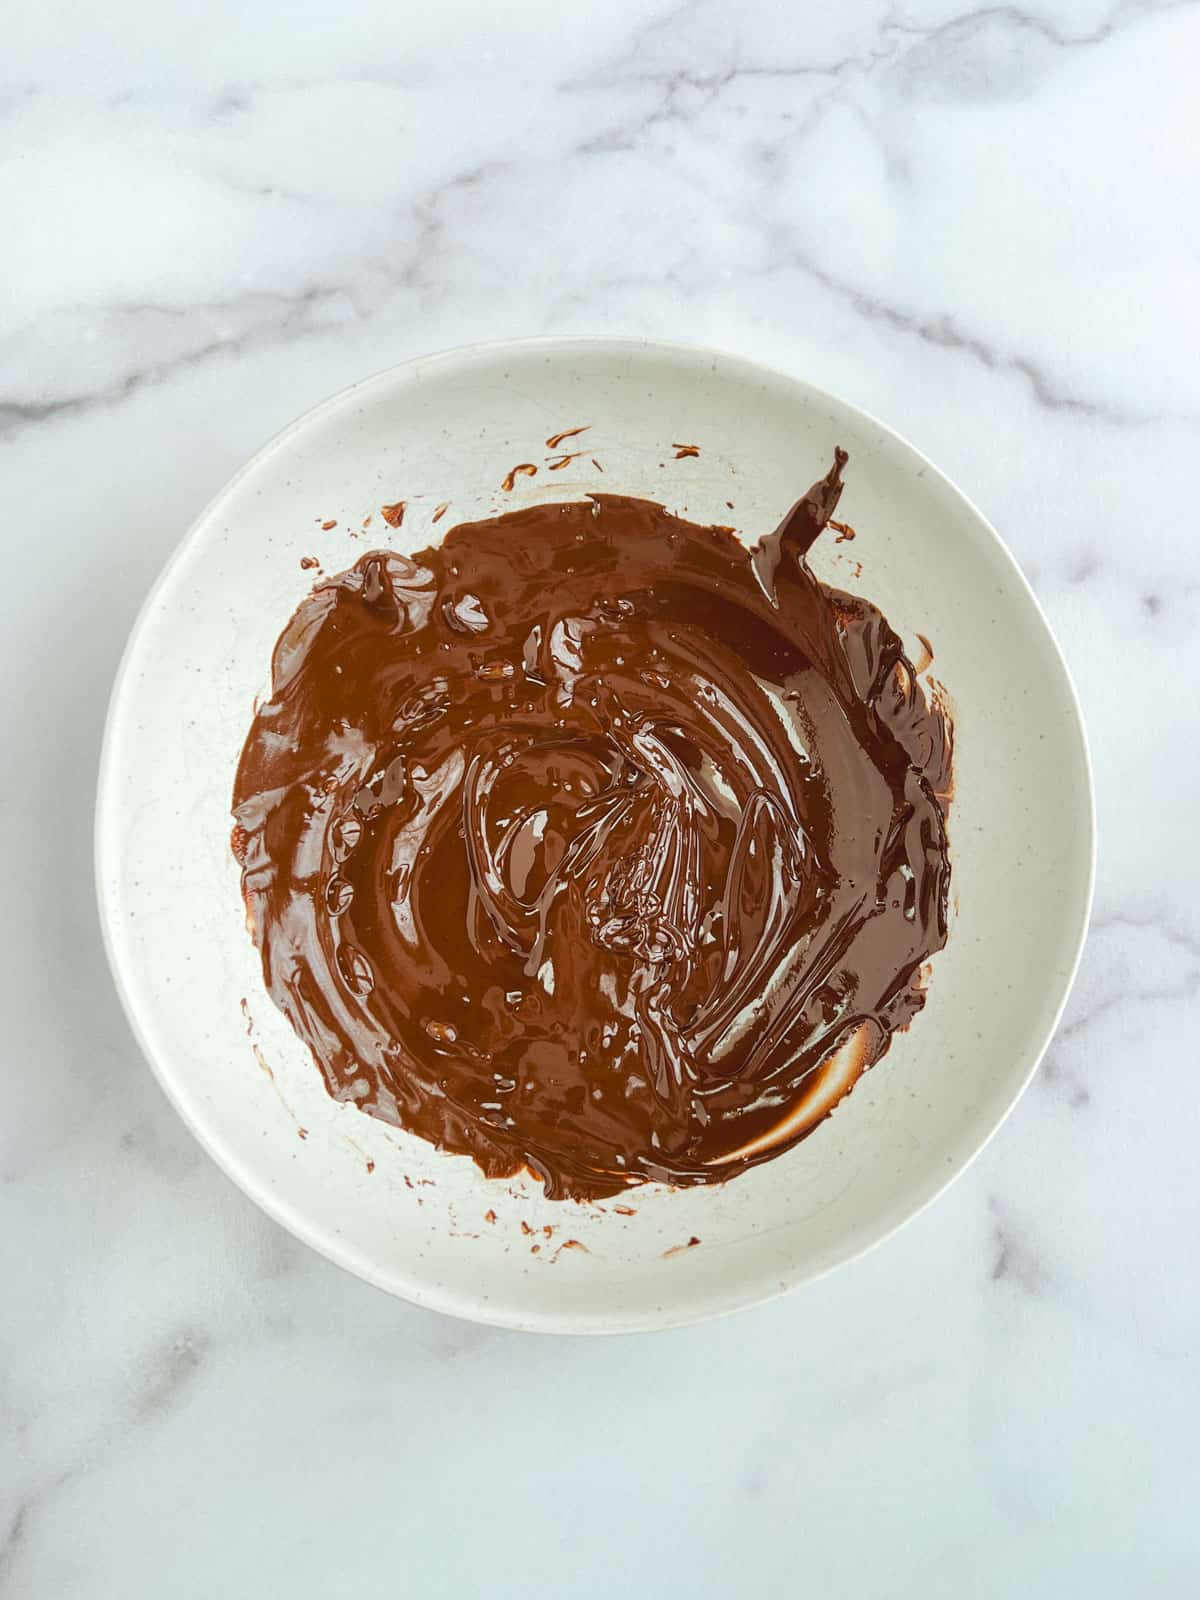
[(332, 523), (677, 1250), (682, 450), (523, 469), (555, 439), (393, 515)]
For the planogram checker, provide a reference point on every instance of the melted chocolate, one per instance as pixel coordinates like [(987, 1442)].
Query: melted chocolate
[(591, 842)]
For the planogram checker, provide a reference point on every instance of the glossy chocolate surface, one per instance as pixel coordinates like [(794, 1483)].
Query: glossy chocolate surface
[(593, 843)]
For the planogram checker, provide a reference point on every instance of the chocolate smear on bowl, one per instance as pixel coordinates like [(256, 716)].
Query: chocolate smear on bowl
[(591, 842)]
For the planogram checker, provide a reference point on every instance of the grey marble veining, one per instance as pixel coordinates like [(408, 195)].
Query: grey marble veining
[(982, 225)]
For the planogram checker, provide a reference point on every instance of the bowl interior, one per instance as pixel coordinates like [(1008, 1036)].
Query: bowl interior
[(448, 431)]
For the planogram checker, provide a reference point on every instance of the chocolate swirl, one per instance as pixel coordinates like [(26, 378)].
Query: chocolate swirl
[(593, 843)]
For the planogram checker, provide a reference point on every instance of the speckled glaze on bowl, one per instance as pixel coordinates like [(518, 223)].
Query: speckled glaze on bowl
[(447, 430)]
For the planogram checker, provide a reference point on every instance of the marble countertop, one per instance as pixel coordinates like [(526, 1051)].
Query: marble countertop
[(983, 226)]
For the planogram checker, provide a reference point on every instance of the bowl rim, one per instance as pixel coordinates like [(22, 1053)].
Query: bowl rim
[(414, 1290)]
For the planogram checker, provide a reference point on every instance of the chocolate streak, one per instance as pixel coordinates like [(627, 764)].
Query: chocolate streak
[(592, 843)]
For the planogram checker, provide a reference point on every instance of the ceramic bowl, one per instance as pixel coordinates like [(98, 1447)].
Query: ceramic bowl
[(446, 431)]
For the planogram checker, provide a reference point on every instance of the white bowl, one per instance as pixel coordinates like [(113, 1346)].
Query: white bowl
[(448, 429)]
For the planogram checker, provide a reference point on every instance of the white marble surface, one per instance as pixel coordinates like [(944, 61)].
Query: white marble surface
[(982, 225)]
